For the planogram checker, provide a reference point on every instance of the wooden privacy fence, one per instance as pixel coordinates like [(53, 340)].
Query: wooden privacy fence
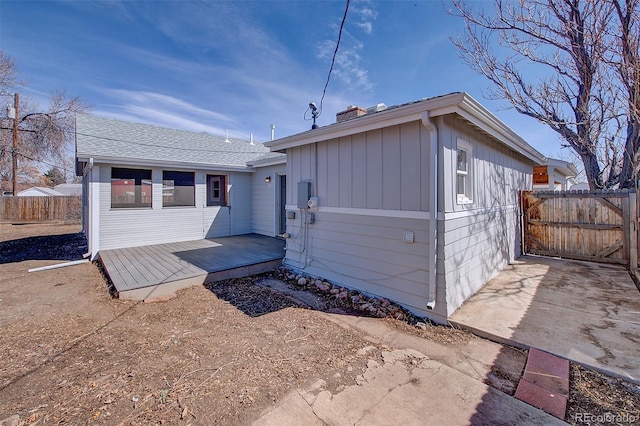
[(40, 209), (598, 226)]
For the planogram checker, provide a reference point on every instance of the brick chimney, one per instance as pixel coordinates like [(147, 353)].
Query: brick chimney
[(349, 113)]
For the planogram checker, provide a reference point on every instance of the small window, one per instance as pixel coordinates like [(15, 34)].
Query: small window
[(464, 173), (216, 190), (178, 189), (130, 188)]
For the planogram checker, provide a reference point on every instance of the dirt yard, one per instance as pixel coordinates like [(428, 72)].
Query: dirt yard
[(71, 354)]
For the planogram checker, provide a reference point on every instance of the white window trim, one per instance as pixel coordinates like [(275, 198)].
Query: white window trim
[(462, 145)]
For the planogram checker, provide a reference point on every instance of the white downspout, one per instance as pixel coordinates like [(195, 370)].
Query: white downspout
[(433, 207)]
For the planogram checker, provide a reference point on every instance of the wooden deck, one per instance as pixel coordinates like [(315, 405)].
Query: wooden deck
[(157, 271)]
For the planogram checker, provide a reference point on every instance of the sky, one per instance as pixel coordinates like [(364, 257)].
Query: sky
[(241, 66)]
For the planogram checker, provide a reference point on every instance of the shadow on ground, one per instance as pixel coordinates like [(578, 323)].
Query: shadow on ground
[(48, 247), (262, 294), (251, 299)]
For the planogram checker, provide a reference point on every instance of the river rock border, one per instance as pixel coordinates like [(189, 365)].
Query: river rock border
[(345, 297)]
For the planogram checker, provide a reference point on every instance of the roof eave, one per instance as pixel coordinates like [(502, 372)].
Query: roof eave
[(391, 117), (481, 117), (566, 168), (141, 162), (456, 103), (268, 162)]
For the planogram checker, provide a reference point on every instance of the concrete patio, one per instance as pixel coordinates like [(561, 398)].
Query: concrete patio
[(586, 312)]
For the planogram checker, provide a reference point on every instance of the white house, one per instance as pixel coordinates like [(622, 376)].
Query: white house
[(40, 191), (417, 203), (69, 189), (148, 185)]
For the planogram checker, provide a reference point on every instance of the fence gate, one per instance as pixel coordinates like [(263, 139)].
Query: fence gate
[(599, 226)]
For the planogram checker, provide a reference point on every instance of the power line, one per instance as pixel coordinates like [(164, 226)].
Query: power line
[(335, 52)]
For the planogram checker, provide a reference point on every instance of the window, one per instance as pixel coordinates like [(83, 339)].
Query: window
[(178, 189), (216, 190), (130, 188), (464, 183)]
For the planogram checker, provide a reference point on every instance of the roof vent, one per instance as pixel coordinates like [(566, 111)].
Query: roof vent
[(226, 139), (376, 108), (352, 111)]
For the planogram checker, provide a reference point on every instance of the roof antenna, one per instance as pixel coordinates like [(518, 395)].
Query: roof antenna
[(314, 114), (226, 139)]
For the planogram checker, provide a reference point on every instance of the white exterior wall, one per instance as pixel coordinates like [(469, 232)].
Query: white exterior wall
[(265, 196), (117, 228), (371, 187), (477, 240)]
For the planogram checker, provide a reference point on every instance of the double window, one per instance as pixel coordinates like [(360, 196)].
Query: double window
[(130, 188), (464, 172), (178, 189), (216, 190)]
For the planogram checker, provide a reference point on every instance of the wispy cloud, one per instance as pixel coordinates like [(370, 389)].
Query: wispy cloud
[(365, 12), (349, 67), (163, 110)]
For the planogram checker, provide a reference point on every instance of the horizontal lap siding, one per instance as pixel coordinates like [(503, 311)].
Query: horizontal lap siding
[(475, 249), (264, 196), (382, 170), (136, 227), (476, 241), (365, 253)]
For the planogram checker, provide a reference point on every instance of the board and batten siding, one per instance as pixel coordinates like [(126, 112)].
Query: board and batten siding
[(477, 240), (371, 188), (143, 226), (265, 196), (386, 169)]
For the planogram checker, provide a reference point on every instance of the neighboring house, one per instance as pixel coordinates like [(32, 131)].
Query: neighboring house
[(149, 185), (579, 186), (417, 203), (40, 191), (69, 189), (554, 175)]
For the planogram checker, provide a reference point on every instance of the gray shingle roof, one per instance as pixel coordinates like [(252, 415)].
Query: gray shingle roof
[(103, 138)]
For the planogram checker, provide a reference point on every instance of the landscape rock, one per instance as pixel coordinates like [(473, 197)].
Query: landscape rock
[(323, 288), (353, 299)]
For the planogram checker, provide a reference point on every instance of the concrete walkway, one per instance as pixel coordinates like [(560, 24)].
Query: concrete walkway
[(585, 312), (419, 382)]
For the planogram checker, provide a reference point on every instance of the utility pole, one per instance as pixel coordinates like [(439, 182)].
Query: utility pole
[(15, 145)]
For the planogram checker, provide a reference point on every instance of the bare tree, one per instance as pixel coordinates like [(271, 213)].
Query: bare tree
[(625, 58), (583, 55), (45, 136), (8, 71), (52, 177)]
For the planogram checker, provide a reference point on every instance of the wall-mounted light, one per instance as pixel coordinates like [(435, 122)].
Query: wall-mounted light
[(267, 179)]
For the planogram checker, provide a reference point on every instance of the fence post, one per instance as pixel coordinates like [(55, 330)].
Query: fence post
[(633, 235)]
